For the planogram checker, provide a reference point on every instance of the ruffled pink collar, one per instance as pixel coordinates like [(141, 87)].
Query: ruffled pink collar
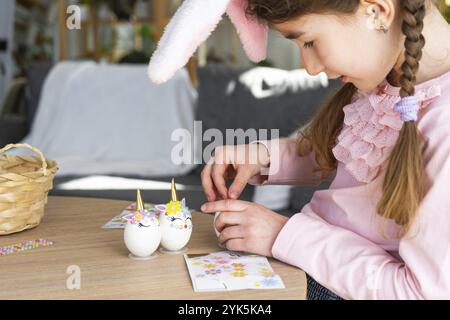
[(371, 126)]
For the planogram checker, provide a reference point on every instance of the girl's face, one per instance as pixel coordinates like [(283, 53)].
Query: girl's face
[(345, 46)]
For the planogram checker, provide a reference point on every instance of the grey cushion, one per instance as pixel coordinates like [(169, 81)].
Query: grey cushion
[(222, 108)]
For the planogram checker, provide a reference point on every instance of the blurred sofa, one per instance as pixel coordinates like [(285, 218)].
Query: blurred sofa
[(228, 98)]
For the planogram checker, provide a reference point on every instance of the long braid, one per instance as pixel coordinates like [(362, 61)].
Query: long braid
[(403, 184), (412, 28)]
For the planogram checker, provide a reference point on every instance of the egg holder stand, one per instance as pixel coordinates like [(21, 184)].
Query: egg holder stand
[(156, 254), (136, 258), (174, 252)]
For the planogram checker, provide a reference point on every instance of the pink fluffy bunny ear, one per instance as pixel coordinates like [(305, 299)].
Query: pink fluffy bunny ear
[(192, 24), (252, 33)]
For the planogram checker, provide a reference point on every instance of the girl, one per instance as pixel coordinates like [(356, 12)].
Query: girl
[(382, 229)]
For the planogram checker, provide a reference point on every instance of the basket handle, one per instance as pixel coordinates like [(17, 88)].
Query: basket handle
[(35, 150)]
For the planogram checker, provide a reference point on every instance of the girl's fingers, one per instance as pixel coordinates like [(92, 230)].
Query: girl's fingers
[(225, 205), (237, 245), (239, 183), (218, 177), (217, 194), (227, 218), (232, 232), (208, 185)]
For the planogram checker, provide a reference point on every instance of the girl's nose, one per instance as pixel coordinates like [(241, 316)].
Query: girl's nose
[(312, 64), (314, 69)]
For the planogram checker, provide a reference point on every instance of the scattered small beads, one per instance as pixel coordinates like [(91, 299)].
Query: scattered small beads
[(25, 245)]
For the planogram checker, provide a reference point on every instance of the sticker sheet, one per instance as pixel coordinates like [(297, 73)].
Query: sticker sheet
[(227, 271), (119, 221)]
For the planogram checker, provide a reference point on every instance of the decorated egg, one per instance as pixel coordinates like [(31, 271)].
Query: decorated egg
[(176, 224), (142, 234)]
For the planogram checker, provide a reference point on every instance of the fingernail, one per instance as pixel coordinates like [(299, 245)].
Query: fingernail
[(234, 195), (203, 207)]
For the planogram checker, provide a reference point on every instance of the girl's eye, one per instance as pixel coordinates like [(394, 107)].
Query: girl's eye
[(308, 44)]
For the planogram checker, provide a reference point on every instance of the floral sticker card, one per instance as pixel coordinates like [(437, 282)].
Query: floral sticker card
[(118, 222), (227, 271)]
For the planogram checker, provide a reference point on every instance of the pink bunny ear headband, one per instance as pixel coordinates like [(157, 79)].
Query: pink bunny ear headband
[(193, 23)]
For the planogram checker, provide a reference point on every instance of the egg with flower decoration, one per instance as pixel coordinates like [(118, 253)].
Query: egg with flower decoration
[(176, 223), (142, 234)]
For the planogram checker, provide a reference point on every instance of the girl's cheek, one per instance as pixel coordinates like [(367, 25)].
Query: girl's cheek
[(329, 62)]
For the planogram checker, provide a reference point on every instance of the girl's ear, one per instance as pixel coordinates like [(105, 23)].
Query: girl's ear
[(252, 33), (191, 25), (379, 12)]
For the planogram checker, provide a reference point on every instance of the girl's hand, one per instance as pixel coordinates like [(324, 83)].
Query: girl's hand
[(240, 162), (246, 226)]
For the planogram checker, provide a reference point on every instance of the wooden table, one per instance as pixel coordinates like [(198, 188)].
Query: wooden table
[(74, 224)]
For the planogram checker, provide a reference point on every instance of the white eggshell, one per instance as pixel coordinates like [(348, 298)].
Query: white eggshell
[(214, 224), (142, 241), (215, 229), (173, 238)]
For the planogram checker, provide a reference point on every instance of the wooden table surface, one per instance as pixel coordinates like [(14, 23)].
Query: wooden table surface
[(74, 224)]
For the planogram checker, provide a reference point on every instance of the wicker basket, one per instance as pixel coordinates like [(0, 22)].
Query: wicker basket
[(24, 186)]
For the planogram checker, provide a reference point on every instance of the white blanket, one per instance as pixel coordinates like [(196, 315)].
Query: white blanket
[(110, 119)]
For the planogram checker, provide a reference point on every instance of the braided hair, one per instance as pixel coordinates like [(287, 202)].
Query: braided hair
[(403, 187)]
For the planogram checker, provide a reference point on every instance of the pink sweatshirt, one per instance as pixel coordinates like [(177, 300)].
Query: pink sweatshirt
[(336, 237)]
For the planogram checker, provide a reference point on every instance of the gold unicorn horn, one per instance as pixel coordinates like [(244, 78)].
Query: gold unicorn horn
[(173, 195), (139, 202)]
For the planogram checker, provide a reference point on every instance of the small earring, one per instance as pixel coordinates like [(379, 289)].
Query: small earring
[(383, 28)]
